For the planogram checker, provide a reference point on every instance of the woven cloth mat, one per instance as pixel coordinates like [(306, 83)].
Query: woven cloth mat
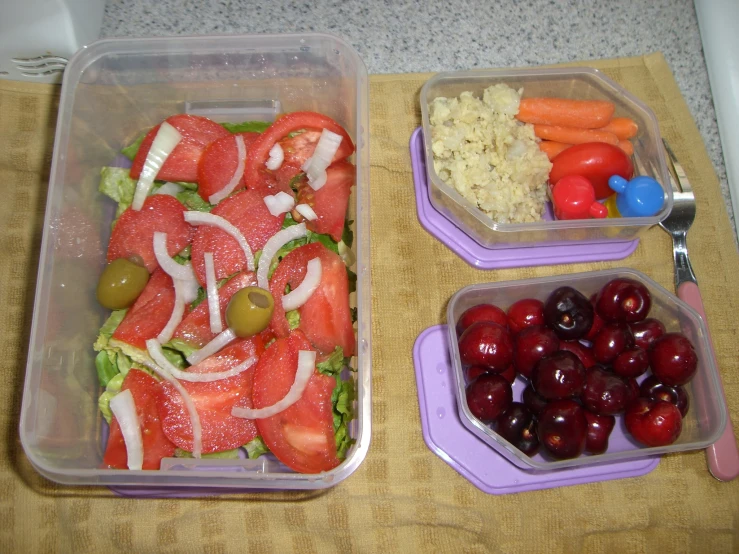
[(403, 498)]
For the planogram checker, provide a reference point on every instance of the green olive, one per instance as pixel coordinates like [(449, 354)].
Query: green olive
[(121, 283), (250, 311)]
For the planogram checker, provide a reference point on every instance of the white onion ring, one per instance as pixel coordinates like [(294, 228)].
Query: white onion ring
[(123, 408), (279, 203), (170, 189), (315, 166), (306, 367), (189, 290), (216, 197), (166, 139), (276, 241), (177, 312), (318, 181), (276, 157), (307, 212), (206, 218), (211, 288), (221, 340), (168, 265), (296, 298), (155, 351)]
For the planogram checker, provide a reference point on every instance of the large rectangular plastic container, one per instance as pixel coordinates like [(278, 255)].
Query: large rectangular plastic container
[(112, 91), (706, 417), (576, 83)]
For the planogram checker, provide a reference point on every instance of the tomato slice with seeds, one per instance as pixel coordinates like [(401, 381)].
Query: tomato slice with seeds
[(213, 401), (247, 211), (147, 393), (325, 318), (280, 129), (219, 163), (150, 313), (133, 234), (330, 201), (302, 436), (182, 163)]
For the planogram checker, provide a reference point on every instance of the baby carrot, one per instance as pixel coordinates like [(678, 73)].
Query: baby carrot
[(573, 135), (623, 127), (552, 148), (585, 114), (626, 146)]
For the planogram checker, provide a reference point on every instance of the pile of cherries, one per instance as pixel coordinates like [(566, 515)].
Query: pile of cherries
[(581, 358)]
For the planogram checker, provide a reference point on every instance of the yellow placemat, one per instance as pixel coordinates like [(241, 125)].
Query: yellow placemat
[(403, 498)]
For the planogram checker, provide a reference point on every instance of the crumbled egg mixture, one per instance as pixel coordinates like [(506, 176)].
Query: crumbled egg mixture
[(488, 156)]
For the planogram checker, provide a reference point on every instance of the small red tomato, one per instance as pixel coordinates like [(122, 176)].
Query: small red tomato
[(596, 161)]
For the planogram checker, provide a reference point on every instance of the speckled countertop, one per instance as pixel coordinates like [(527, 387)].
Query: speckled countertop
[(416, 36)]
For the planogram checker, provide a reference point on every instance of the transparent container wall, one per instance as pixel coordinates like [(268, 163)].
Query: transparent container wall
[(577, 83), (113, 90), (707, 415)]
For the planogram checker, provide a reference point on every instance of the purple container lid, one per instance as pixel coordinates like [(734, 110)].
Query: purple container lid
[(439, 226), (448, 438)]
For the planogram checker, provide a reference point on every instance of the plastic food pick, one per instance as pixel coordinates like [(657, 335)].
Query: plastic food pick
[(640, 197), (573, 197)]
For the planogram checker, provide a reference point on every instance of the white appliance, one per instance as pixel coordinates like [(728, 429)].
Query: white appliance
[(37, 37)]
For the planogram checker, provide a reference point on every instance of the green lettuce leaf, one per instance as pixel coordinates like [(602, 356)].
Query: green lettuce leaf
[(113, 388), (225, 455), (115, 183), (183, 256), (342, 400), (131, 150), (333, 364), (192, 201), (293, 319), (352, 277), (247, 126), (347, 236), (187, 186), (181, 346), (106, 368), (256, 448), (108, 328)]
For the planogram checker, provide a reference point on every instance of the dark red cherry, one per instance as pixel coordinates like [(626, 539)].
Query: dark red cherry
[(531, 345), (653, 389), (631, 363), (623, 300), (509, 374), (518, 426), (612, 339), (585, 353), (653, 422), (481, 312), (559, 375), (673, 359), (474, 371), (568, 313), (562, 429), (647, 331), (597, 321), (599, 430), (488, 396), (533, 401), (605, 393), (487, 344), (525, 313)]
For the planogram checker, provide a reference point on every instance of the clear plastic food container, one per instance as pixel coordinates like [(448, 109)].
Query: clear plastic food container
[(575, 83), (706, 417), (112, 91)]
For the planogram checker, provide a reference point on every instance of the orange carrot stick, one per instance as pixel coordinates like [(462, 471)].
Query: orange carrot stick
[(573, 135), (623, 127), (585, 114), (626, 146), (551, 148)]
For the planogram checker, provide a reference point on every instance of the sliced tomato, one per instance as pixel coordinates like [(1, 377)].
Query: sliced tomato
[(219, 162), (302, 436), (247, 211), (150, 313), (133, 234), (280, 129), (195, 326), (325, 318), (147, 393), (182, 163), (298, 148), (330, 201), (213, 401)]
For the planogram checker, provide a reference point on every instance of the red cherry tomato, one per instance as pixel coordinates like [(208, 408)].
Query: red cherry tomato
[(596, 161)]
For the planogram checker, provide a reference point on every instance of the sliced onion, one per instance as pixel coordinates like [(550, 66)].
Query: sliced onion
[(155, 351), (168, 265), (166, 139), (279, 203), (307, 287), (236, 177), (206, 218), (306, 367), (276, 157), (315, 166), (276, 241), (220, 341), (189, 290), (306, 211), (123, 408), (177, 313), (318, 181), (170, 189), (211, 289)]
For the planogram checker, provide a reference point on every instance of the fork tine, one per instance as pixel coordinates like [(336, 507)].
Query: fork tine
[(682, 177)]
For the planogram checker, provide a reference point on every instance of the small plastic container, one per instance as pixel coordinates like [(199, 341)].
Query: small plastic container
[(575, 83), (112, 91), (702, 425)]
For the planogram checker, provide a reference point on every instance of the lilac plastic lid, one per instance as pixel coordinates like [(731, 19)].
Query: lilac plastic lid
[(477, 255), (448, 438)]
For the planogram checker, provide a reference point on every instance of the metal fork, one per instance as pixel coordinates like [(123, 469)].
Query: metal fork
[(723, 456)]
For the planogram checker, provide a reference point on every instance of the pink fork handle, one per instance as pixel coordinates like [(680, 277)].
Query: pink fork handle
[(723, 456)]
